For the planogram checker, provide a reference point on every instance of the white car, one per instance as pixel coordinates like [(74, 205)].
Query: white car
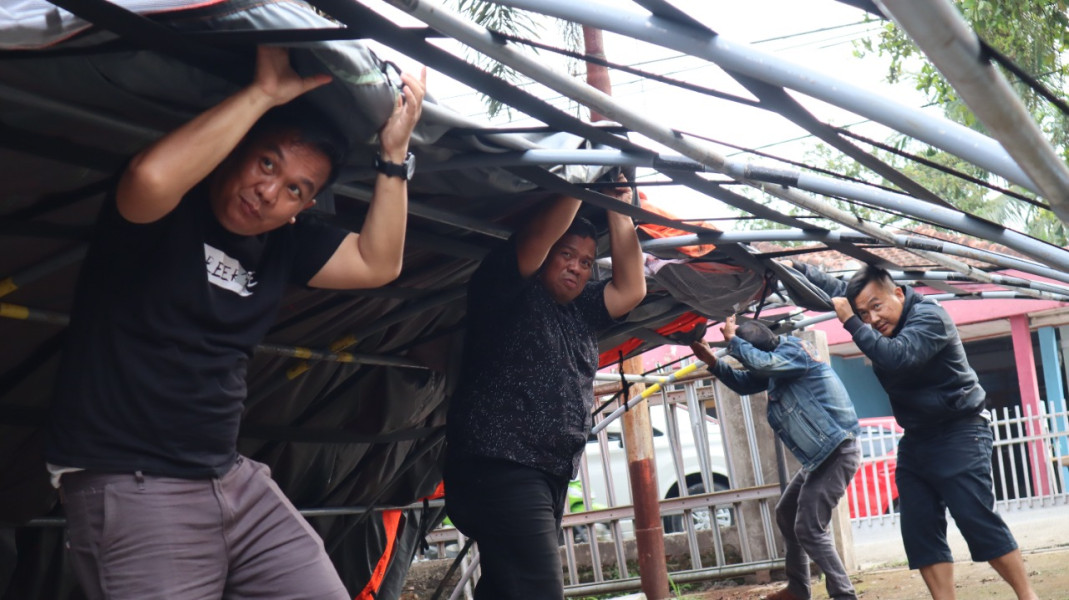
[(668, 483)]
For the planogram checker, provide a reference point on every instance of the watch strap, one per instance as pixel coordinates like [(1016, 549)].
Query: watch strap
[(392, 169)]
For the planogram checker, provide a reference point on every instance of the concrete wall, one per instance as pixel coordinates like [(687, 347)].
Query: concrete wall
[(865, 390)]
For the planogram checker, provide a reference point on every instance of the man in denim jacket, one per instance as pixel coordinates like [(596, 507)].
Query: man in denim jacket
[(944, 458), (810, 412)]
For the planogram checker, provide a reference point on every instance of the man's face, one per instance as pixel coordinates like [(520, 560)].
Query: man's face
[(568, 266), (880, 307), (266, 182)]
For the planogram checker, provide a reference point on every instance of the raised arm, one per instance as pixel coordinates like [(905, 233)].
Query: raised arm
[(373, 257), (742, 382), (628, 285), (159, 176), (831, 285), (537, 237), (921, 337), (784, 361)]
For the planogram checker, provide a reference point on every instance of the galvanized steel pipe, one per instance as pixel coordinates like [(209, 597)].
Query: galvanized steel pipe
[(944, 36)]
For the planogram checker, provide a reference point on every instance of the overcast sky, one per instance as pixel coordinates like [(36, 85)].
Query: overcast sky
[(816, 33)]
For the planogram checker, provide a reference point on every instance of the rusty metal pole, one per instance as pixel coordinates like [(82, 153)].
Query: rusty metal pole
[(649, 533), (638, 438), (597, 76)]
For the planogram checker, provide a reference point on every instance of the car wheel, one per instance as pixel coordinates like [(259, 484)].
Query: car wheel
[(581, 534), (725, 517)]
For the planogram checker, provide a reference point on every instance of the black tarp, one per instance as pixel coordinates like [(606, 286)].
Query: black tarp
[(335, 434)]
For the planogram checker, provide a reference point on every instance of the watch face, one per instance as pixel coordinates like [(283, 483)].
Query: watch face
[(410, 165)]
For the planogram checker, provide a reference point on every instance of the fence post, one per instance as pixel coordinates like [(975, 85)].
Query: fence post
[(1057, 407), (751, 462), (1030, 404), (842, 531)]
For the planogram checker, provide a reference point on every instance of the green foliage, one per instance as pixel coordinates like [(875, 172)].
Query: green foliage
[(504, 19), (1034, 34), (519, 23)]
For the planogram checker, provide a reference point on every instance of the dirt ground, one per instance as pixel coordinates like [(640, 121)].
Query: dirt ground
[(1049, 571)]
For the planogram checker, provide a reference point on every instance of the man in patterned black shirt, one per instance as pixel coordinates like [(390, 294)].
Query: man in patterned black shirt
[(519, 420)]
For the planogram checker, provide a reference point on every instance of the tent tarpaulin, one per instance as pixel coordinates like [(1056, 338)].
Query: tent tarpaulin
[(76, 101)]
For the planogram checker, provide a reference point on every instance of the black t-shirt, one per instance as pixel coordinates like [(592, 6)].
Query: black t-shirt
[(165, 318), (526, 390)]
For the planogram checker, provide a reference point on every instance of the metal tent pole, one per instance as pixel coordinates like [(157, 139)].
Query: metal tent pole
[(859, 224), (997, 279), (45, 267), (631, 378), (803, 323), (832, 237), (117, 126), (942, 216), (770, 68), (944, 36), (482, 40), (548, 156), (25, 313), (646, 393), (363, 193), (1046, 253)]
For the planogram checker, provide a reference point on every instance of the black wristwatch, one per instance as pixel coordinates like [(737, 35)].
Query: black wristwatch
[(392, 169)]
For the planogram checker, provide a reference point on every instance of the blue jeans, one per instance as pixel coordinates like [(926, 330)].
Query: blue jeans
[(514, 513), (949, 467), (803, 513)]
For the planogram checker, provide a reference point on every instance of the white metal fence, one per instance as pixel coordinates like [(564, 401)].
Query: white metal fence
[(708, 527), (1030, 464)]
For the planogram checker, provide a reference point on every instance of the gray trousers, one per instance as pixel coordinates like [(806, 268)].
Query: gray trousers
[(803, 513), (237, 536)]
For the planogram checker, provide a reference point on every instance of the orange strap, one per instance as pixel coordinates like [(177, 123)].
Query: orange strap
[(683, 322), (391, 520), (663, 231)]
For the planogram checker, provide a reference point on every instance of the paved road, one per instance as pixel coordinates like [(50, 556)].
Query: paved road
[(1036, 528)]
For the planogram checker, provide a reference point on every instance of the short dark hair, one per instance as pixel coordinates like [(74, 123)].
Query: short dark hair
[(865, 276), (312, 128), (758, 334), (582, 227)]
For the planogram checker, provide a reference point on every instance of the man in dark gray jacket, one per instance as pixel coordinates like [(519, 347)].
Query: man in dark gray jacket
[(944, 458)]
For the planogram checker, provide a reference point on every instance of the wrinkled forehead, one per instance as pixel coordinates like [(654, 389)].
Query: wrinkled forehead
[(302, 157), (289, 139), (584, 246)]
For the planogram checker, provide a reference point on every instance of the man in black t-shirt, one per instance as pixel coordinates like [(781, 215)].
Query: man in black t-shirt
[(189, 261), (519, 420)]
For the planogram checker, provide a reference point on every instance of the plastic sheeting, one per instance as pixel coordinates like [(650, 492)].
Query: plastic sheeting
[(335, 434)]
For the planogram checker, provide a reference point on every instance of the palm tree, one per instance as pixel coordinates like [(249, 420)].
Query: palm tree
[(505, 19)]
